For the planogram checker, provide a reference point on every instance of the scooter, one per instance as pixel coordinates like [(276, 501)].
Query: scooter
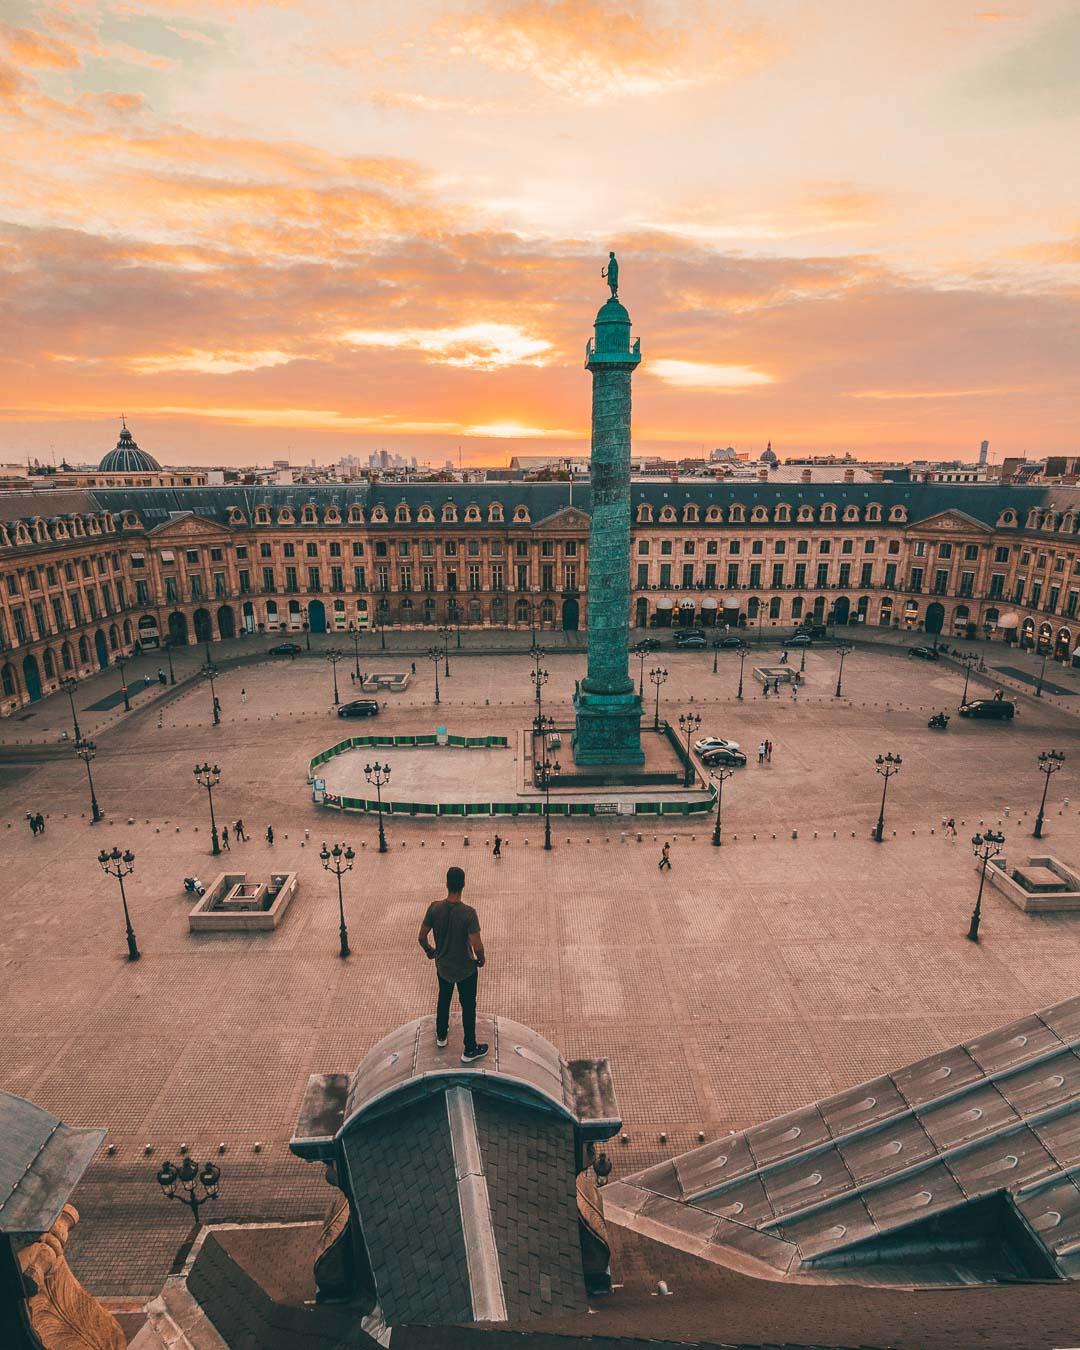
[(193, 886), (939, 722)]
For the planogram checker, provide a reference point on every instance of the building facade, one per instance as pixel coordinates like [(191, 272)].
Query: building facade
[(87, 574)]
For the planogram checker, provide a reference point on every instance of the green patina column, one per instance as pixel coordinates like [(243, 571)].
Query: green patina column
[(607, 707)]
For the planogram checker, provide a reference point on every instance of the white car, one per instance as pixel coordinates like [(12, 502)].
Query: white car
[(708, 743)]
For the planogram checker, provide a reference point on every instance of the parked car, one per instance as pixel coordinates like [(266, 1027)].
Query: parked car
[(923, 653), (999, 709), (286, 649), (731, 640), (708, 743), (649, 645), (360, 707), (724, 758), (690, 639), (799, 640)]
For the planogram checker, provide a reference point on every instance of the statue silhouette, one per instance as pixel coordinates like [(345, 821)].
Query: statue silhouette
[(611, 272)]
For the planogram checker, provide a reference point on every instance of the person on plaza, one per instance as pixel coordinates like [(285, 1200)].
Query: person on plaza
[(225, 838), (768, 751), (40, 823), (761, 752), (161, 677), (238, 830), (999, 694), (458, 953), (270, 835), (243, 695), (783, 657), (765, 689), (496, 852), (950, 826), (665, 857), (413, 665), (31, 820), (146, 681)]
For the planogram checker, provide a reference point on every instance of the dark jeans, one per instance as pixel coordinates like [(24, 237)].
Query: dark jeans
[(466, 990)]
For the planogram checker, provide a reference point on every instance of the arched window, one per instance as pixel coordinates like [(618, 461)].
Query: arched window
[(449, 512), (65, 656), (402, 515), (752, 607), (310, 516), (805, 515), (472, 512), (127, 632), (495, 511), (332, 516), (426, 514), (898, 515), (667, 513), (797, 607), (262, 515), (7, 680), (356, 514), (759, 516), (644, 513), (60, 529), (736, 514), (828, 514), (93, 525), (547, 612), (1007, 518), (690, 512), (285, 516), (774, 607), (48, 661), (783, 514), (521, 515), (851, 513), (873, 512), (84, 651), (713, 514), (521, 611), (378, 515)]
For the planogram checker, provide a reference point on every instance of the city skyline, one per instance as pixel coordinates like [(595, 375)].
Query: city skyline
[(323, 231)]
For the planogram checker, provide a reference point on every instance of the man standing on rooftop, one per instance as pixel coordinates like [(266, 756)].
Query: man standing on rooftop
[(458, 954)]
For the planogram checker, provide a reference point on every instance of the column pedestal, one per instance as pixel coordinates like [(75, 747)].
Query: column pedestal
[(608, 728)]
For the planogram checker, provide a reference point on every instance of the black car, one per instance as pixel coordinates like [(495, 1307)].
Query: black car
[(649, 645), (286, 649), (799, 640), (690, 639), (730, 641), (923, 653), (360, 707), (996, 709), (726, 758)]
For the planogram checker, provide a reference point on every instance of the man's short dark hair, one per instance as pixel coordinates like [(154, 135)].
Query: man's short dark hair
[(455, 880)]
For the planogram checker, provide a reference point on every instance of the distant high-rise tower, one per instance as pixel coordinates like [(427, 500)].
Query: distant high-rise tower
[(984, 450)]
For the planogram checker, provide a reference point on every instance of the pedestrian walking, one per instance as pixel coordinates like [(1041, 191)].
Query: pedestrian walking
[(40, 823), (458, 953), (768, 751), (765, 689), (160, 676), (783, 657), (238, 830), (225, 838), (496, 852), (243, 695), (147, 682), (270, 835), (795, 693), (761, 753), (32, 822), (665, 857), (413, 665), (950, 826)]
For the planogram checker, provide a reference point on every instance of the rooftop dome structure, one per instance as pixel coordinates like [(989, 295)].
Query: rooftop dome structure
[(127, 457), (768, 455)]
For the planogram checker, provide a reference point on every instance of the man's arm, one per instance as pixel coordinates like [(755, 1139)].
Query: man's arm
[(477, 945), (422, 938)]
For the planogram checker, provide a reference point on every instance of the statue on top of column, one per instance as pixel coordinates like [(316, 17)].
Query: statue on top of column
[(611, 272)]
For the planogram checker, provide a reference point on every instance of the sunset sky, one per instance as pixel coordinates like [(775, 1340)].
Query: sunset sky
[(310, 229)]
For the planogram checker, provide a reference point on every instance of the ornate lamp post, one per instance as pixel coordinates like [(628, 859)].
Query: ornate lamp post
[(968, 660), (333, 655), (339, 860), (720, 777), (380, 621), (210, 672), (435, 656), (985, 846), (547, 771), (1050, 761), (86, 751), (444, 633), (887, 766), (187, 1177), (307, 634), (689, 722), (658, 675), (1042, 673), (167, 644), (121, 666), (641, 652), (378, 775), (742, 662), (68, 684), (354, 633), (539, 678), (843, 648), (120, 865), (208, 776)]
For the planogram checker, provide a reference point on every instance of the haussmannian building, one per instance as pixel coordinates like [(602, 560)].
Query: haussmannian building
[(85, 574)]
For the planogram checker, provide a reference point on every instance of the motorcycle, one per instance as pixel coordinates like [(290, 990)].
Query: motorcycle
[(193, 886), (939, 722)]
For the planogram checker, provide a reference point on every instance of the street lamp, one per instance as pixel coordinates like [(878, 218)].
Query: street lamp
[(189, 1176), (444, 633), (307, 634), (689, 723), (887, 766), (802, 660), (743, 649), (547, 771), (641, 651), (985, 846), (380, 621), (210, 672), (86, 751), (68, 684), (339, 860), (720, 777), (715, 654), (967, 660), (1050, 761), (208, 776), (435, 656), (843, 648), (1042, 673), (657, 676), (378, 775), (121, 666), (119, 865), (539, 678), (333, 655), (354, 633), (167, 644)]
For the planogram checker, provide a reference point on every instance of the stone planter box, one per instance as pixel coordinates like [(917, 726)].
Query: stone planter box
[(232, 904), (1039, 885)]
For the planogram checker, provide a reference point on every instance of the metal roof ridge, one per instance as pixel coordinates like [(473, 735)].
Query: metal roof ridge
[(478, 1229)]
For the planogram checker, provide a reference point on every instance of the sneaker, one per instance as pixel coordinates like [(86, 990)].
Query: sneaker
[(440, 1043), (477, 1052)]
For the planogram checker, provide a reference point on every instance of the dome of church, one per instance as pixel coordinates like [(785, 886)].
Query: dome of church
[(127, 457), (768, 455)]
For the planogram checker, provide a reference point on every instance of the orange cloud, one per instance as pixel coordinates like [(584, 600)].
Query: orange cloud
[(29, 48)]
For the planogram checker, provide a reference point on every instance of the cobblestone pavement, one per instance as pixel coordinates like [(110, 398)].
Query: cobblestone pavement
[(747, 981)]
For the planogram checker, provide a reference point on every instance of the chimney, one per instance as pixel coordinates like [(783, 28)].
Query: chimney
[(763, 475), (849, 475), (807, 475), (878, 475)]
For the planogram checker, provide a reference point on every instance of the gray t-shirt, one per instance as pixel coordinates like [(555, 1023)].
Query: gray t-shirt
[(451, 922)]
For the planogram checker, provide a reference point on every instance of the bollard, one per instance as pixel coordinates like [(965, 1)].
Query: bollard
[(794, 834), (465, 842)]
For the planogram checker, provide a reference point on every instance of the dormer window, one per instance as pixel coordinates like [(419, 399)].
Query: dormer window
[(426, 514), (356, 514), (873, 512), (77, 526), (236, 516), (131, 520), (713, 514), (667, 513), (1007, 518), (22, 534), (472, 512), (402, 516), (285, 516), (759, 516), (495, 511), (378, 515), (737, 513), (332, 516), (521, 515), (805, 515), (449, 513), (690, 512), (851, 513), (94, 525), (309, 516), (60, 530), (783, 514), (262, 515), (828, 514), (644, 513), (898, 515)]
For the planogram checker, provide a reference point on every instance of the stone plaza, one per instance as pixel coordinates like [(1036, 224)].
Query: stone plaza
[(798, 959)]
